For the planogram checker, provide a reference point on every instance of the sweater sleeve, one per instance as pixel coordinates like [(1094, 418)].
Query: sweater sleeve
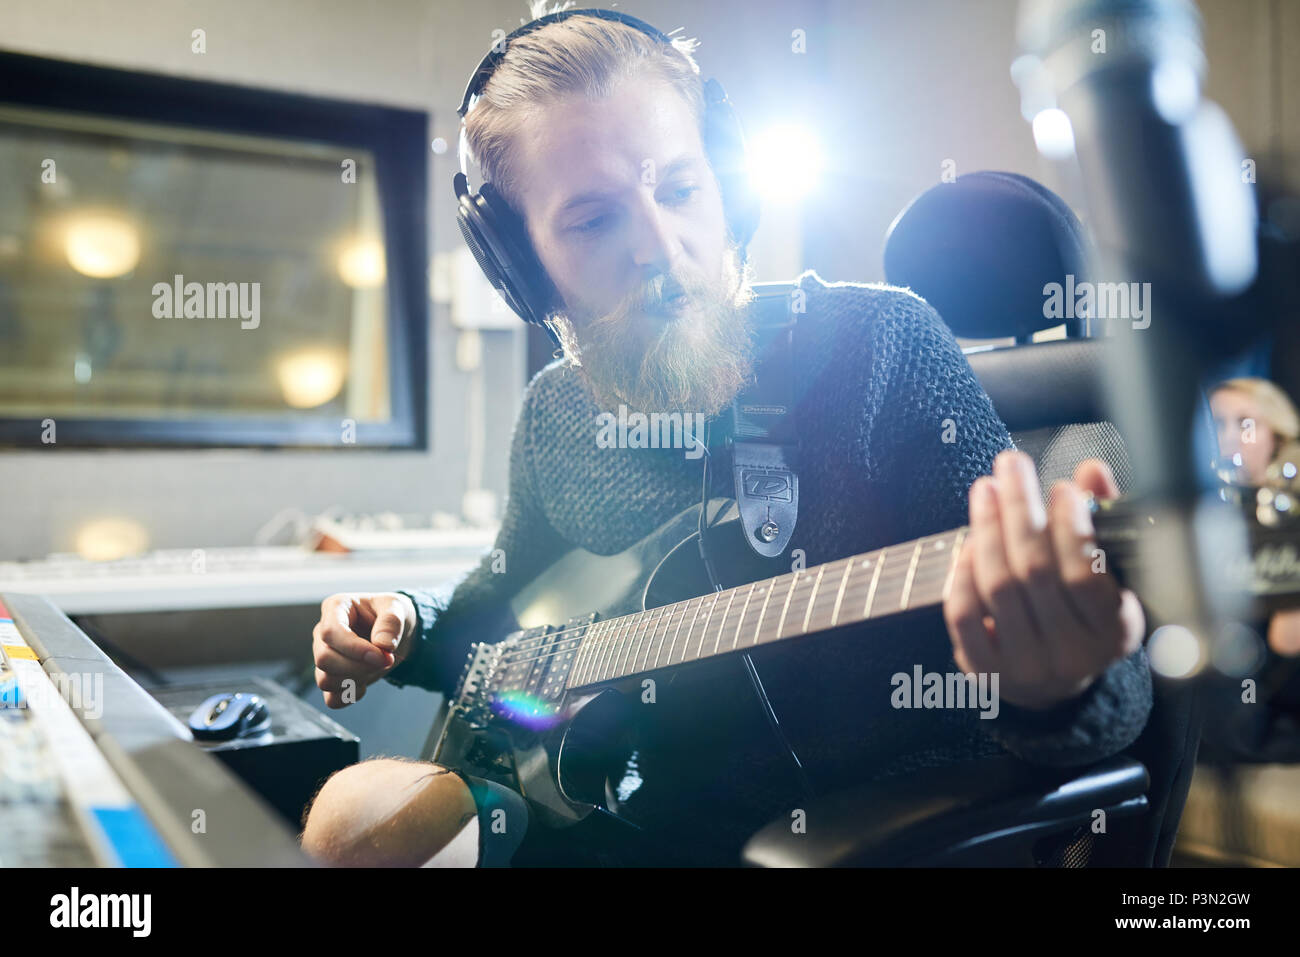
[(477, 608), (936, 432)]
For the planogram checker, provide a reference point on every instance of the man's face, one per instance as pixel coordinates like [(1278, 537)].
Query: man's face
[(625, 214)]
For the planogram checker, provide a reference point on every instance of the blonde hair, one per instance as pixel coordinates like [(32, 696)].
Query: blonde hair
[(580, 56), (1278, 412)]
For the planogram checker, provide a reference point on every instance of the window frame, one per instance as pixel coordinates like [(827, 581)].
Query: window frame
[(396, 138)]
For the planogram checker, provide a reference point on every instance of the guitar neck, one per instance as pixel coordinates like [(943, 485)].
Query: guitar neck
[(888, 581)]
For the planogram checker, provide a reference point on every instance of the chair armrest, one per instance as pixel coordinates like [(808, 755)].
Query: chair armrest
[(989, 813)]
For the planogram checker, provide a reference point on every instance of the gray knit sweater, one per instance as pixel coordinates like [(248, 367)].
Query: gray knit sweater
[(880, 377)]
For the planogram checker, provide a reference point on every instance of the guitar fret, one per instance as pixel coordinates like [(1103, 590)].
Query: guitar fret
[(889, 588), (667, 618), (590, 673), (652, 645), (875, 580), (611, 666), (597, 666), (931, 572), (631, 667), (780, 625), (821, 569), (598, 652), (674, 610), (685, 607), (644, 645), (607, 660), (634, 641), (952, 564), (771, 587), (588, 649), (822, 604), (703, 628), (911, 572), (590, 668), (647, 636), (839, 597), (717, 641), (735, 639), (584, 646), (694, 615)]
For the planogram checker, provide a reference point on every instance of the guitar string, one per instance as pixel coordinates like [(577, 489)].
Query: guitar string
[(515, 657)]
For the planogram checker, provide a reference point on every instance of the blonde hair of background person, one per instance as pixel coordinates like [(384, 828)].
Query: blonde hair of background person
[(1276, 428)]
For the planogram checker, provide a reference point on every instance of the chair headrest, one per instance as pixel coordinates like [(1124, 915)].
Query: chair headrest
[(980, 250)]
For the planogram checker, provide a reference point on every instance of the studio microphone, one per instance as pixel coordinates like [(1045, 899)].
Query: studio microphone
[(1167, 184), (1168, 194)]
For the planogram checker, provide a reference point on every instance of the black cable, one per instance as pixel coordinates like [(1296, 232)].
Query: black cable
[(768, 711)]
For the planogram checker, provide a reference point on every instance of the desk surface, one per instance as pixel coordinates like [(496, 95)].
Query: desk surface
[(187, 579)]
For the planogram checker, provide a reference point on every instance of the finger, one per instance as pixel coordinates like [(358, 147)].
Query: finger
[(973, 647), (1284, 632), (331, 662), (1134, 624), (1096, 476), (329, 682), (335, 630), (1094, 595), (1032, 559), (994, 582), (390, 624), (334, 699)]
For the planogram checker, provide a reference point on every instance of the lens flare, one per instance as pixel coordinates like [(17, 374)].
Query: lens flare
[(525, 709)]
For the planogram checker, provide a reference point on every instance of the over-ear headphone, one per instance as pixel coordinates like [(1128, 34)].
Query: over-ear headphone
[(496, 234)]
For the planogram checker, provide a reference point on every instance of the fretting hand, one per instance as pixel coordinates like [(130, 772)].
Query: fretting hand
[(1028, 599)]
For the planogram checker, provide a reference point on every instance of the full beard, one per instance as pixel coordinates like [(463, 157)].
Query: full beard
[(695, 361)]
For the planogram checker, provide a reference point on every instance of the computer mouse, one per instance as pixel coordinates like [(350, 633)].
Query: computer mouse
[(230, 715)]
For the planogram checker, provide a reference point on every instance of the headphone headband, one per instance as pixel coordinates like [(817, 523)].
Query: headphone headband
[(487, 66)]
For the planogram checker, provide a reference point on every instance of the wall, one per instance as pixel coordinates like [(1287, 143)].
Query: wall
[(895, 87)]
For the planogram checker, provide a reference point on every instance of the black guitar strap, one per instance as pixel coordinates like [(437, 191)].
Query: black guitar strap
[(764, 440)]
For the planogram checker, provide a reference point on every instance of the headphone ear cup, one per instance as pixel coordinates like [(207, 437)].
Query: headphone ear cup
[(724, 140), (497, 238)]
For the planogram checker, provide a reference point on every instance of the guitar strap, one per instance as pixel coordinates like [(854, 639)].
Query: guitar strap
[(764, 441)]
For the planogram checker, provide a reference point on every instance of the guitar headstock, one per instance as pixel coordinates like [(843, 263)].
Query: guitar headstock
[(1272, 517), (1259, 558)]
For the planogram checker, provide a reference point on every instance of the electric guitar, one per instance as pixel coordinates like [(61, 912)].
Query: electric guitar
[(544, 710)]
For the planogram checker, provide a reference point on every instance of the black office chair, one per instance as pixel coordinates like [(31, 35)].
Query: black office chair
[(980, 251)]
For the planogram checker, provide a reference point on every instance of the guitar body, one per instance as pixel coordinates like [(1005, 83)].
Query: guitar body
[(553, 709), (565, 764)]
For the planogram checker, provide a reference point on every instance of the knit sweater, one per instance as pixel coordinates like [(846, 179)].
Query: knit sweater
[(894, 428)]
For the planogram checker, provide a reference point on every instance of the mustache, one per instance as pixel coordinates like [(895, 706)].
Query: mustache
[(653, 295)]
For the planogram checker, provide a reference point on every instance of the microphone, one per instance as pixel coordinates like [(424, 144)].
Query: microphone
[(1167, 184)]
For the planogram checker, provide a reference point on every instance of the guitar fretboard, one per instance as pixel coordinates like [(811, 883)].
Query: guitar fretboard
[(888, 581)]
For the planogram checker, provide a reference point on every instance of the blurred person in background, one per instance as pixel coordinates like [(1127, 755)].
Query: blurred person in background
[(1259, 442)]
